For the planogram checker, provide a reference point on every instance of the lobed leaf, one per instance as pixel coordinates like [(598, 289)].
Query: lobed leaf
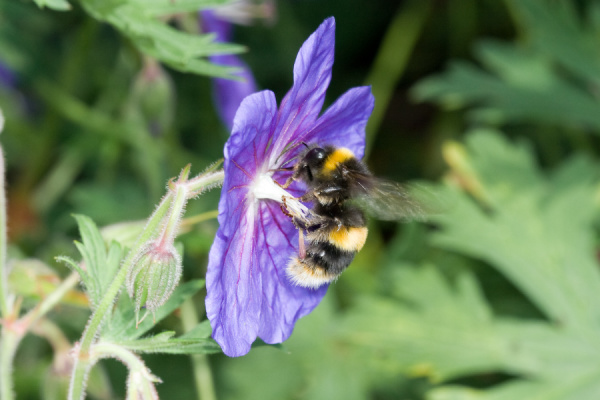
[(100, 267), (550, 76), (178, 49), (537, 231)]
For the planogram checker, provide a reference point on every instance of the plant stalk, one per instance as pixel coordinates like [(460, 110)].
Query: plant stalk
[(83, 361), (392, 58)]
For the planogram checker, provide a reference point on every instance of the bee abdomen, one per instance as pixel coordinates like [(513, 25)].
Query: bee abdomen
[(348, 238), (323, 263)]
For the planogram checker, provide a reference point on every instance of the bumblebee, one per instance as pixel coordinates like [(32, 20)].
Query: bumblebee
[(341, 188)]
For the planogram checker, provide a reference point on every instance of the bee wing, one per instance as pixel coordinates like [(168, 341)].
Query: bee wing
[(388, 200)]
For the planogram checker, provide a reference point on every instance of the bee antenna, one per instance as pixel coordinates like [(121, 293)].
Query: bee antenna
[(285, 150), (307, 146)]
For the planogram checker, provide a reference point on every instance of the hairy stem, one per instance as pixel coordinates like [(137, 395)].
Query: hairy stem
[(83, 361), (8, 347), (4, 300), (14, 330)]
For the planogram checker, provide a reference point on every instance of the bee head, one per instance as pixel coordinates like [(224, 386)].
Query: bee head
[(311, 162)]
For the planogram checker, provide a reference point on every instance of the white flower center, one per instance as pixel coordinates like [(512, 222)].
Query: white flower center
[(264, 187)]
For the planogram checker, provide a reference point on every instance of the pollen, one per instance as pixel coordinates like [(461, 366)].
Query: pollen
[(338, 156), (349, 239)]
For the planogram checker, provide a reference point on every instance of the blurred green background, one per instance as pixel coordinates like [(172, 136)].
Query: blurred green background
[(495, 298)]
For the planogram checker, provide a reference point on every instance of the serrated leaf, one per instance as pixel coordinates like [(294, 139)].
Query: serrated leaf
[(100, 268), (180, 50), (122, 325), (403, 331), (526, 80), (559, 32), (69, 262), (538, 237), (538, 233)]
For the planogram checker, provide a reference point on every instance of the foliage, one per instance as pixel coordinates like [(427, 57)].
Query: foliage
[(536, 234), (494, 297), (549, 76)]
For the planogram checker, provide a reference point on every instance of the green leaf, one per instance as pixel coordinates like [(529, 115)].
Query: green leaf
[(183, 51), (83, 275), (122, 325), (100, 267), (526, 80), (58, 5), (537, 231), (201, 331), (558, 31), (166, 7), (402, 331), (539, 237), (165, 343)]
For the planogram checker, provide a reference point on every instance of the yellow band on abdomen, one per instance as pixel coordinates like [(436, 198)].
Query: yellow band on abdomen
[(349, 239)]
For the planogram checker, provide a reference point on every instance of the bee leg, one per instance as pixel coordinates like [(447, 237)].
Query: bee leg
[(284, 208), (298, 223), (301, 246), (287, 183)]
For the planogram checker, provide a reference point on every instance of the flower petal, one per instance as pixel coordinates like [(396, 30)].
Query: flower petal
[(210, 23), (252, 130), (343, 124), (233, 278), (283, 302), (233, 300), (312, 72)]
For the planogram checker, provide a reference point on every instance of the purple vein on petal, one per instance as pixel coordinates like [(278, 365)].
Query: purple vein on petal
[(237, 187), (242, 169)]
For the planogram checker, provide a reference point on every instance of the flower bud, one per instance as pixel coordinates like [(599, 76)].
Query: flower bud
[(152, 99), (153, 277)]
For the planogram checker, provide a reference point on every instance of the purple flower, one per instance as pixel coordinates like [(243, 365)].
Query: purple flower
[(249, 293), (228, 93)]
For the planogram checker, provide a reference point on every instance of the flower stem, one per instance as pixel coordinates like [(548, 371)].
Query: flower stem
[(110, 350), (4, 301), (175, 212), (83, 361), (14, 330), (202, 372), (51, 300), (172, 203), (205, 181), (8, 347), (392, 58), (196, 219)]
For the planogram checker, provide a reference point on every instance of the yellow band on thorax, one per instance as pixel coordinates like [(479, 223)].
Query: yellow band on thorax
[(337, 157)]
